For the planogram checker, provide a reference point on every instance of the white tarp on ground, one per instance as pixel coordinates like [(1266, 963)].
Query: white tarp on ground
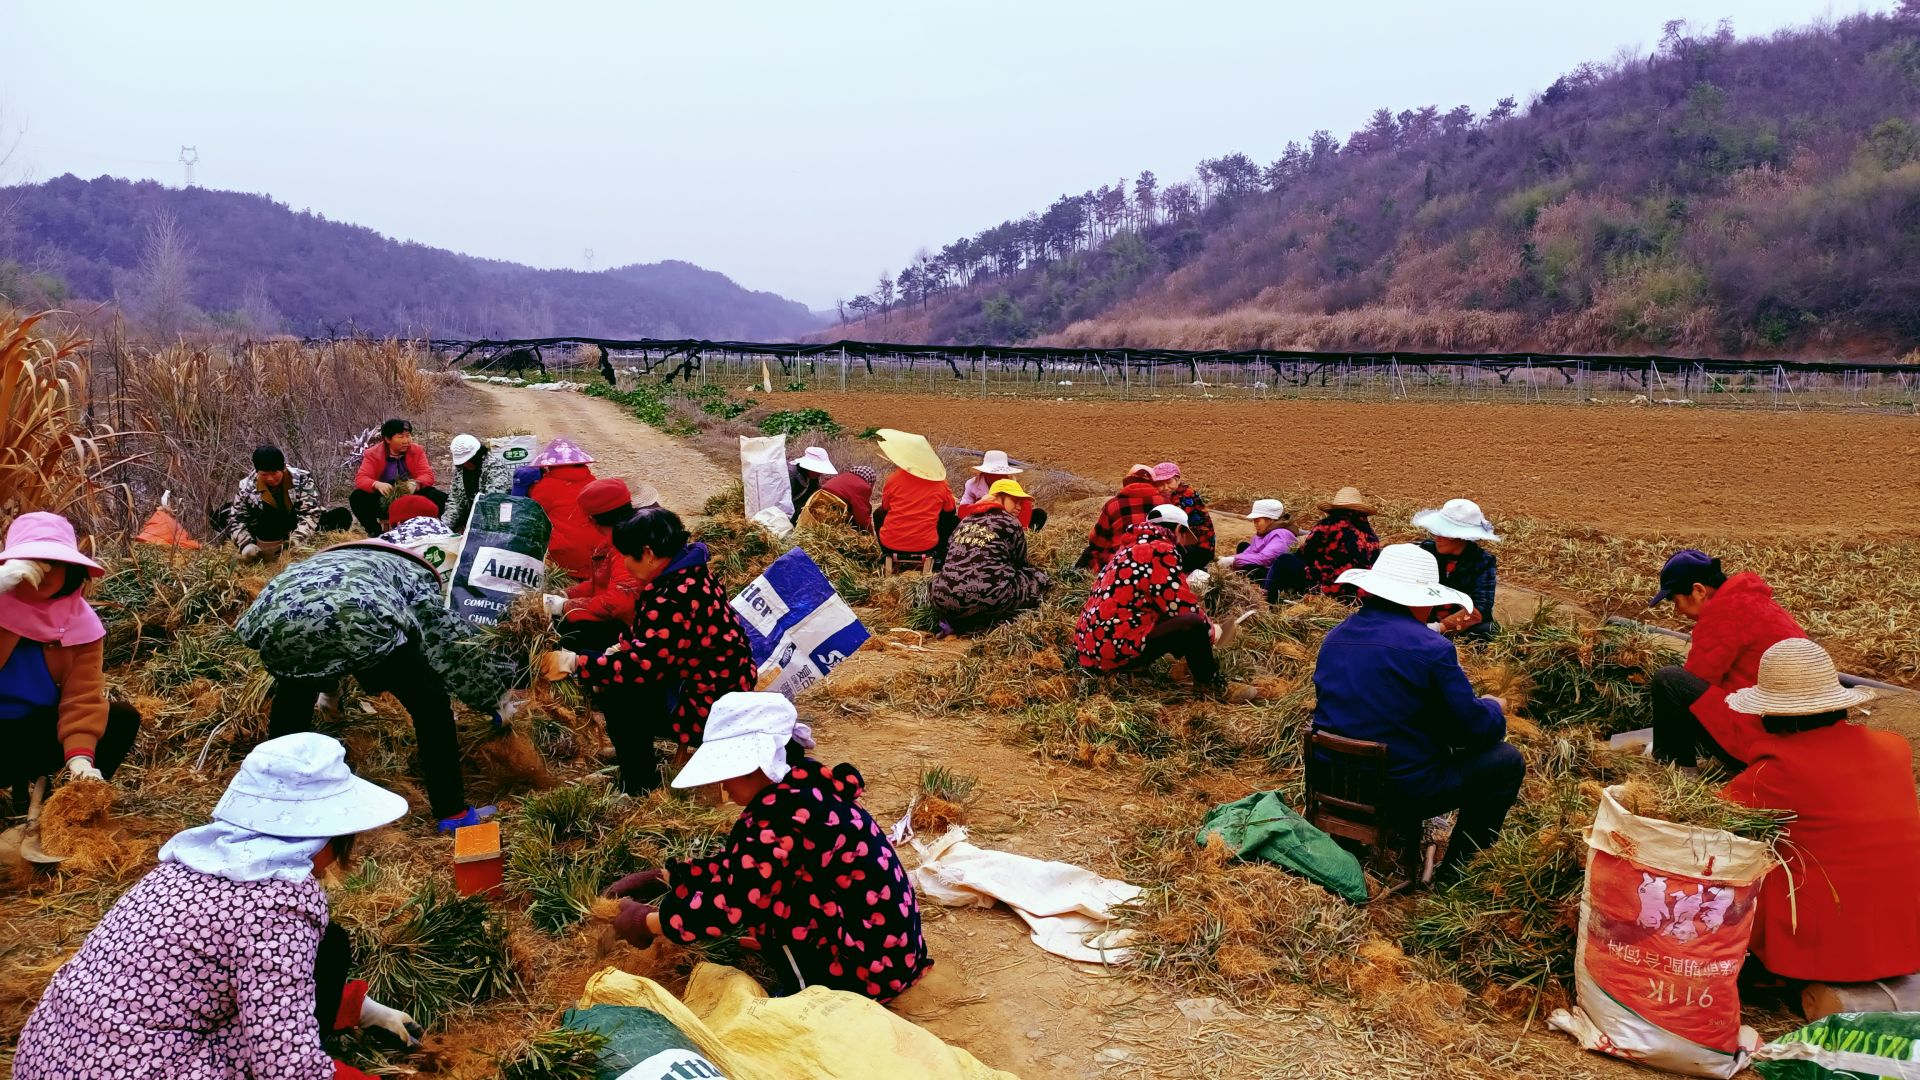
[(1069, 909)]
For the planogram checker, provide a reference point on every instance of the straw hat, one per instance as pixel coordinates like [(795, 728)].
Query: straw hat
[(562, 451), (1348, 498), (912, 453), (1008, 487), (815, 459), (1460, 519), (996, 463), (1270, 509), (1797, 678), (463, 448), (1406, 574), (299, 787)]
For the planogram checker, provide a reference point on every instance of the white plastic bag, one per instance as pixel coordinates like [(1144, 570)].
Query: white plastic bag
[(763, 475)]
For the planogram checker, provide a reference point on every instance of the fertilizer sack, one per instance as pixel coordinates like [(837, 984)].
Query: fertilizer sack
[(1846, 1046), (1664, 922), (515, 450), (798, 626), (763, 475), (502, 555), (641, 1044)]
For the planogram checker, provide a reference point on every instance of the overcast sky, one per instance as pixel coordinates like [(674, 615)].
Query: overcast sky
[(798, 147)]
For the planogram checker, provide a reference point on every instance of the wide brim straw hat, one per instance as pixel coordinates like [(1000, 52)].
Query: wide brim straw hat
[(1406, 574), (46, 537), (298, 787), (1459, 519), (1348, 498), (996, 463), (912, 454), (1797, 678)]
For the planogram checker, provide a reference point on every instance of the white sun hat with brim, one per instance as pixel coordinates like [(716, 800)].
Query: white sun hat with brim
[(1460, 519), (1169, 514), (815, 459), (1406, 574), (1797, 678), (1270, 509), (997, 463), (745, 732), (463, 448), (299, 787)]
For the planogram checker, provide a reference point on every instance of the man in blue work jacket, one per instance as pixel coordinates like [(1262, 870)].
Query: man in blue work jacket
[(1383, 675)]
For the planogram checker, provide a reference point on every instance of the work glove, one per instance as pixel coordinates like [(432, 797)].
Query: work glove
[(558, 664), (644, 885), (81, 768), (556, 604), (250, 553), (17, 572), (1224, 563), (1197, 581), (376, 1016), (630, 925)]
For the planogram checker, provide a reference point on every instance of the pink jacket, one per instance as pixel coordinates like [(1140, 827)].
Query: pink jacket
[(373, 462)]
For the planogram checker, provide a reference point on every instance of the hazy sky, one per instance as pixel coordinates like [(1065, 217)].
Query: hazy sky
[(798, 147)]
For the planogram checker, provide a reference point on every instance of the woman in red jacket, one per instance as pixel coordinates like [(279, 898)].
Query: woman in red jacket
[(1844, 905), (595, 610), (396, 461), (564, 476)]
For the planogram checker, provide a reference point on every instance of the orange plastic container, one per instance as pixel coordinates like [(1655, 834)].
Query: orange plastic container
[(477, 865)]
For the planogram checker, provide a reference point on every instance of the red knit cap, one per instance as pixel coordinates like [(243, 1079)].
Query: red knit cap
[(609, 493), (408, 507)]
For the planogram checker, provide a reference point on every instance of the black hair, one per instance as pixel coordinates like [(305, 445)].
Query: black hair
[(268, 459), (1789, 725), (394, 427), (655, 529), (796, 753), (1368, 600), (611, 519), (342, 848), (76, 580)]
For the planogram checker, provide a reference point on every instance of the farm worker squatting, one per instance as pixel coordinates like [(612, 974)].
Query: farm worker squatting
[(221, 960), (986, 579), (595, 609), (272, 506), (1458, 529), (976, 494), (393, 466), (807, 874), (477, 471), (917, 510), (1272, 537)]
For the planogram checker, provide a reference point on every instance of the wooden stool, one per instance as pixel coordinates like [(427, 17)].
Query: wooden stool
[(1884, 995), (1344, 797)]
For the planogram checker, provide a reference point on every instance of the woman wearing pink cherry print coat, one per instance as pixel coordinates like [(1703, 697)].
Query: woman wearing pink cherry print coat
[(807, 874)]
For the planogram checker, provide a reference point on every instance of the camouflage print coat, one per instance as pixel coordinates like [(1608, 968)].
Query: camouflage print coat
[(346, 608), (251, 516), (986, 572)]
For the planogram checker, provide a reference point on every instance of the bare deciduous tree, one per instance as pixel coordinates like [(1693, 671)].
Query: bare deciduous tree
[(163, 285)]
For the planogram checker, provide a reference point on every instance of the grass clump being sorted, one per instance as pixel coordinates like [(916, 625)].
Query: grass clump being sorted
[(560, 1054), (942, 799), (1572, 673), (568, 847), (439, 952)]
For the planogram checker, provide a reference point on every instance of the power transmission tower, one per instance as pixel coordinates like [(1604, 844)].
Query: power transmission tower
[(589, 260), (189, 157)]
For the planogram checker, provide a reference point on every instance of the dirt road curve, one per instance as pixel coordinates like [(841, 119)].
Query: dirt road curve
[(621, 445)]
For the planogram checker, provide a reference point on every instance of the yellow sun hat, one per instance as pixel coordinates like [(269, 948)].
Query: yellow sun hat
[(912, 453), (1008, 487)]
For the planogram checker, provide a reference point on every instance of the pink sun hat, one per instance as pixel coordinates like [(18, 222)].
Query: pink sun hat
[(562, 452), (47, 538), (1166, 470)]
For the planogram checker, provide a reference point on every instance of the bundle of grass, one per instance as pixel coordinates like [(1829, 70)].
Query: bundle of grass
[(155, 595), (569, 845), (665, 825), (440, 953), (942, 800), (1574, 673), (1095, 731), (903, 600), (738, 551), (525, 632), (560, 1054), (848, 557), (75, 824)]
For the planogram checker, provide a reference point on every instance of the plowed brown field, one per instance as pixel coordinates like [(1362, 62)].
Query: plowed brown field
[(1619, 469)]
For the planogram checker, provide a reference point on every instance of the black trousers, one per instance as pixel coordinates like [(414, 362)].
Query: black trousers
[(39, 752), (1189, 637), (406, 675), (369, 509), (636, 715), (588, 638), (1483, 785), (1287, 575), (1678, 736), (330, 975)]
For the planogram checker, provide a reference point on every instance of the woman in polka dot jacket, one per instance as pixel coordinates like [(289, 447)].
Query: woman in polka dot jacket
[(683, 651), (807, 875)]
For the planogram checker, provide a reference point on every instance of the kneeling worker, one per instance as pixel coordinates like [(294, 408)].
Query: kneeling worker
[(274, 504), (986, 579), (807, 876), (1383, 676)]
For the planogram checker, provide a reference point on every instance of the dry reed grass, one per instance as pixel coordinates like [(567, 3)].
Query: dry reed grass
[(48, 458)]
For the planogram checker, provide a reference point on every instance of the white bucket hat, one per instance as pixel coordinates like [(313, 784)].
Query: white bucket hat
[(1271, 509), (1169, 514), (745, 731), (1406, 574), (1797, 678), (463, 448), (1460, 519), (996, 463), (815, 459), (299, 787)]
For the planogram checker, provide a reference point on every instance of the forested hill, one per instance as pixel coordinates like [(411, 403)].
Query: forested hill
[(180, 257), (1718, 195)]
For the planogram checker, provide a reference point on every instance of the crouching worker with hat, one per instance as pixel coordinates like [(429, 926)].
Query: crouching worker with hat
[(53, 691), (274, 505), (597, 608), (394, 465), (807, 876), (1459, 529), (986, 579), (221, 960), (1844, 905), (373, 610), (1383, 676), (477, 471)]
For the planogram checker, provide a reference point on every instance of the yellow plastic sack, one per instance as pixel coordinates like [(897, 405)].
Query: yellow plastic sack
[(816, 1033)]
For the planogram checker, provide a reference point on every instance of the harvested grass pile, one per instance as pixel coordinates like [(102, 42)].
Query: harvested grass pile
[(74, 823), (1569, 673), (560, 1054), (943, 800), (567, 846), (438, 952)]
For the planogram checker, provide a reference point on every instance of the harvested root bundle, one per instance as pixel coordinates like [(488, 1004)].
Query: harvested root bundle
[(74, 825)]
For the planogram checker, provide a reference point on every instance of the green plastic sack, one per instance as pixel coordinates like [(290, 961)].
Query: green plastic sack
[(1846, 1046), (1262, 826), (641, 1044)]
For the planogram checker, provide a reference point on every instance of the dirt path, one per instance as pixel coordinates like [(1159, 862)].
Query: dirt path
[(620, 444)]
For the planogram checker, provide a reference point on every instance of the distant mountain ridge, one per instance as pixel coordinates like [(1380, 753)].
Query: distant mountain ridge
[(258, 264)]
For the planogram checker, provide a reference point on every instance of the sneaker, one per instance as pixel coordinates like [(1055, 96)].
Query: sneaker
[(473, 815)]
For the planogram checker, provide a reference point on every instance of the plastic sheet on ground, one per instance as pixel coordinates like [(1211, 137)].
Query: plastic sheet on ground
[(1069, 909), (828, 1034)]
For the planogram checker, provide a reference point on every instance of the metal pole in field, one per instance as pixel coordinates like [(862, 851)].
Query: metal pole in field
[(843, 369)]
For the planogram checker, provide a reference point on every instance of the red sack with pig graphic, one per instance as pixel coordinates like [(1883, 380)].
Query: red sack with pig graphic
[(1664, 923)]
